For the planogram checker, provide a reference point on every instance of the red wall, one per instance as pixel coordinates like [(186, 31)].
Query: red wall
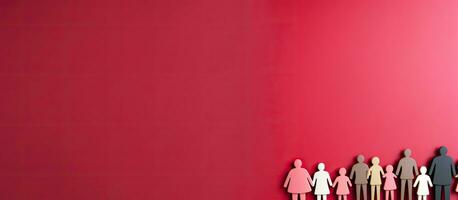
[(205, 99)]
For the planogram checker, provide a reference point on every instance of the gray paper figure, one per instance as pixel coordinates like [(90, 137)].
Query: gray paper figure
[(407, 166), (442, 170), (359, 171)]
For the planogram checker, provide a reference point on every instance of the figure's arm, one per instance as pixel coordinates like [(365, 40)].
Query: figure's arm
[(416, 182), (314, 180), (349, 182), (398, 168), (453, 169), (352, 172), (335, 183), (329, 180), (381, 171), (394, 175), (309, 179), (429, 182), (431, 169), (369, 172), (415, 167), (287, 179)]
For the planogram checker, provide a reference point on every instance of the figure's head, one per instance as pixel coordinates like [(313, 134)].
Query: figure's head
[(389, 168), (342, 171), (407, 152), (360, 158), (443, 150), (423, 170), (321, 166), (375, 161), (297, 163)]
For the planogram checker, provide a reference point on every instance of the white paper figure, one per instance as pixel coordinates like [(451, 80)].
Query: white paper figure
[(321, 182), (423, 181)]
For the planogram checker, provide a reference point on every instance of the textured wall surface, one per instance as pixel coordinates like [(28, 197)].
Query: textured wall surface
[(214, 99)]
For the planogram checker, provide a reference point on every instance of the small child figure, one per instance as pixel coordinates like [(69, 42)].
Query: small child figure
[(423, 181), (390, 183), (456, 189), (342, 182)]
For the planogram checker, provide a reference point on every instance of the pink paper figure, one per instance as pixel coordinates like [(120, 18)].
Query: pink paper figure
[(298, 181), (390, 183), (342, 182)]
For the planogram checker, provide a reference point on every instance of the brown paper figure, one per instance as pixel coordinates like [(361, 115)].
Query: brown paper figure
[(442, 170), (375, 174), (407, 166), (358, 174)]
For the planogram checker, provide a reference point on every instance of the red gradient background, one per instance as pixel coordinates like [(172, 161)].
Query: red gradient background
[(205, 99)]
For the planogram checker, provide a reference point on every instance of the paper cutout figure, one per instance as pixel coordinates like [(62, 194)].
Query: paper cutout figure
[(390, 183), (375, 173), (298, 181), (321, 181), (423, 181), (456, 189), (359, 171), (442, 170), (407, 166), (342, 182)]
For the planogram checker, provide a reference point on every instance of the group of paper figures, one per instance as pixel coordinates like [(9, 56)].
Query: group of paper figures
[(442, 170)]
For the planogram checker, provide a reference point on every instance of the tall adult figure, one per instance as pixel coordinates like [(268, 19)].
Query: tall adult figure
[(358, 174), (442, 170), (405, 171), (298, 181)]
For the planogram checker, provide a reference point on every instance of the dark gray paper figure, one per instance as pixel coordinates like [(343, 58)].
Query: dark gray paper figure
[(442, 170), (359, 170), (407, 166)]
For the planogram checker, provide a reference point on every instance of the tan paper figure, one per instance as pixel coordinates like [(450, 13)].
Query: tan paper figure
[(407, 166), (358, 174), (375, 174)]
